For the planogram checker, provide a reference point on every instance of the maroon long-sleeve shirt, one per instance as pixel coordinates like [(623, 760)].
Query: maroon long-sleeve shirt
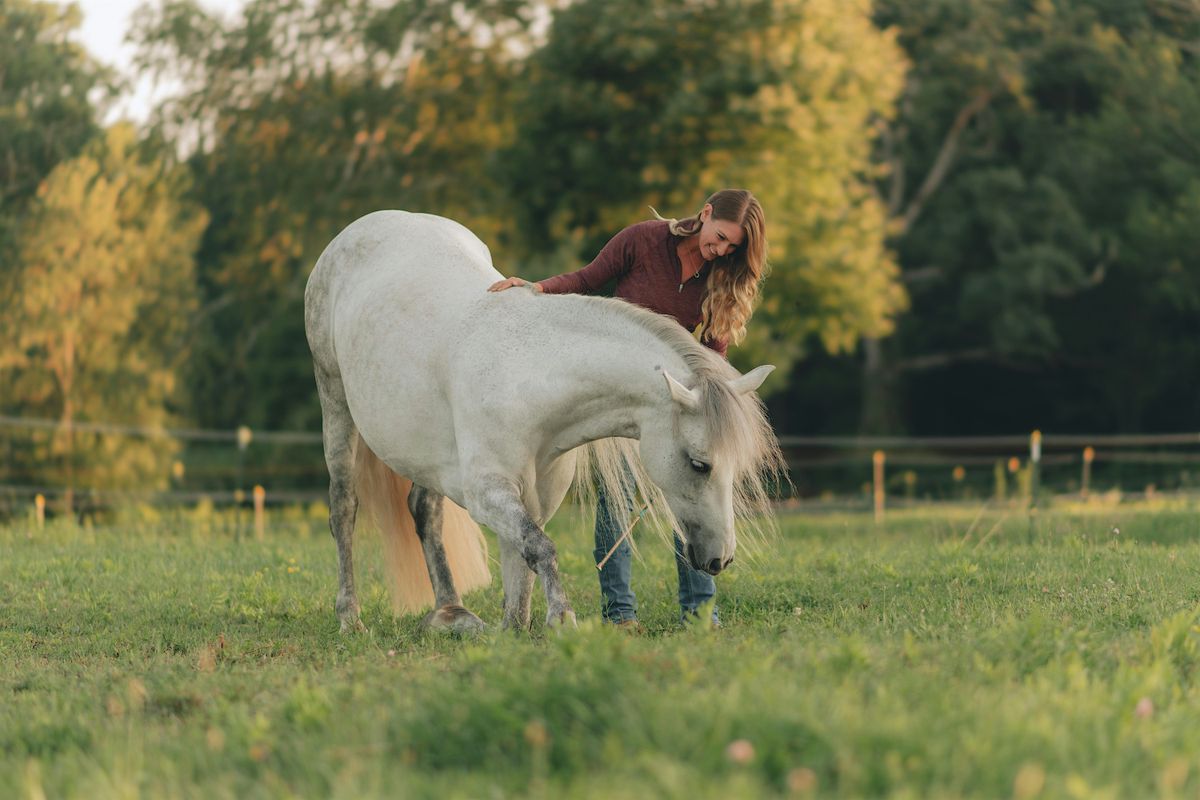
[(644, 261)]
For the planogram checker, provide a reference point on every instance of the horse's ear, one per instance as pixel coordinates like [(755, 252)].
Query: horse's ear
[(688, 398), (751, 380)]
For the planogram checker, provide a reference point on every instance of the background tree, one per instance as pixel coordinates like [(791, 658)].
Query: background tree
[(1130, 344), (1010, 156), (630, 104), (1012, 138), (300, 118), (97, 331), (47, 87)]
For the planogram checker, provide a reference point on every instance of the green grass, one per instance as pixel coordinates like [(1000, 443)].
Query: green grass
[(941, 655)]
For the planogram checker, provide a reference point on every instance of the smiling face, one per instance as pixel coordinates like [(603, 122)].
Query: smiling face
[(718, 237)]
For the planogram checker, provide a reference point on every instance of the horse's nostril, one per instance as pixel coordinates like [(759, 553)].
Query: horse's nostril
[(728, 562), (714, 566)]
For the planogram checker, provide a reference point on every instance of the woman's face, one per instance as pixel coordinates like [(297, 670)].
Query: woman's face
[(718, 237)]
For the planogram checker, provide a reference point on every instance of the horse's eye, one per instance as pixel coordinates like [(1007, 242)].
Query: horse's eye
[(700, 466)]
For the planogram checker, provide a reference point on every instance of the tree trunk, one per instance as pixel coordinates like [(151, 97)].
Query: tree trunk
[(878, 415)]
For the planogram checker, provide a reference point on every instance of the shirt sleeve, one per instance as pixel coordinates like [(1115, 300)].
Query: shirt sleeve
[(617, 258)]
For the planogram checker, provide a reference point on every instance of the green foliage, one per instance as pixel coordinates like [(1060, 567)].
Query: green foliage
[(835, 79), (103, 293), (543, 147), (1138, 172), (1028, 165), (628, 105), (1010, 185), (1041, 182), (46, 114), (302, 117), (934, 656)]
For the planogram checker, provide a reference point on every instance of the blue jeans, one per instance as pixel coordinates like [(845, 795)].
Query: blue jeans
[(618, 602)]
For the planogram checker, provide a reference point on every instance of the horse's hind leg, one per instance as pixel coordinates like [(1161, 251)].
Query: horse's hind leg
[(338, 433), (426, 507)]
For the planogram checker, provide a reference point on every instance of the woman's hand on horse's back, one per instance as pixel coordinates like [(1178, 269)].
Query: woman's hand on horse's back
[(508, 283)]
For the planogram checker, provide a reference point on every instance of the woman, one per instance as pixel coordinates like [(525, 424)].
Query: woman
[(705, 272)]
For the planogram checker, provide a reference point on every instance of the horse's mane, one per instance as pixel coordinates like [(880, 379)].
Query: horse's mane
[(738, 427)]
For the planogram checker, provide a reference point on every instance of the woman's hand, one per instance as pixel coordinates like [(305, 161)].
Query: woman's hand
[(508, 283)]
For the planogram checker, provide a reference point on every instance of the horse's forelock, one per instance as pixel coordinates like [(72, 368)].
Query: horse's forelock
[(740, 433), (738, 430)]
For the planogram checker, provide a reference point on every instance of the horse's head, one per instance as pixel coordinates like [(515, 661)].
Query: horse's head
[(707, 454)]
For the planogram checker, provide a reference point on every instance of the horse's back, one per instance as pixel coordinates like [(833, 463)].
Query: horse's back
[(400, 250), (406, 272), (408, 240)]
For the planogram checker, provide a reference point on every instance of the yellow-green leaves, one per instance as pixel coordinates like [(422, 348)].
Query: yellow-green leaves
[(103, 287)]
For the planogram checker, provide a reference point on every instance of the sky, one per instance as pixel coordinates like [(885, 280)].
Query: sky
[(105, 23)]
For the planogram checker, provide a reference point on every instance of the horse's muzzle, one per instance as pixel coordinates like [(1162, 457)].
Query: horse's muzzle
[(714, 565)]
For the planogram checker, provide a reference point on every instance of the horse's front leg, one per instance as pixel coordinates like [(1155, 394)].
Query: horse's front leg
[(497, 504), (518, 586)]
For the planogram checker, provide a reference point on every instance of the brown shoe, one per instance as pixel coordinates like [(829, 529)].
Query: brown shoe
[(629, 626)]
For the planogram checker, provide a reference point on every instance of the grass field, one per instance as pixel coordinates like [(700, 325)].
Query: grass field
[(946, 654)]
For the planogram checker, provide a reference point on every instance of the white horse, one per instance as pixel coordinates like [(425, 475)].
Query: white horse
[(485, 399)]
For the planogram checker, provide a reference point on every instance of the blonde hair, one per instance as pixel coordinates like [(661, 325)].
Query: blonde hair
[(734, 280)]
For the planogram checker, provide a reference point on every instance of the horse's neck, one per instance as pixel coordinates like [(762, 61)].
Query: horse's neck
[(613, 381)]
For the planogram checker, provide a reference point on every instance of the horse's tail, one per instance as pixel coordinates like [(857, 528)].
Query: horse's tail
[(384, 496)]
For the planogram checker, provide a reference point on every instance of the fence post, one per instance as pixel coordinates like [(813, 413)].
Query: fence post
[(260, 522), (244, 437), (1035, 464), (39, 511), (1089, 455), (877, 462)]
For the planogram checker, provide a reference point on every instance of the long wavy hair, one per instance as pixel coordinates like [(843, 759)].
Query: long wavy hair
[(735, 279)]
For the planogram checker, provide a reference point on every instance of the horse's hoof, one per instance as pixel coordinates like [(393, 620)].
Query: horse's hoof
[(353, 625), (454, 619), (515, 624), (561, 620)]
